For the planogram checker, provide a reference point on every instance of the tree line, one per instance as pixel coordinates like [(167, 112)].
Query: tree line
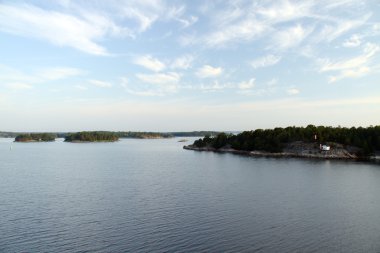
[(143, 135), (94, 136), (274, 140), (35, 137)]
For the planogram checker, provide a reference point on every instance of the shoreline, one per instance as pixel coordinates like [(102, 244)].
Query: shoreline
[(321, 155), (77, 141), (29, 141)]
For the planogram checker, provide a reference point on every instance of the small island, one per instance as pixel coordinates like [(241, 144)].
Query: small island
[(308, 142), (95, 136), (35, 137), (143, 135)]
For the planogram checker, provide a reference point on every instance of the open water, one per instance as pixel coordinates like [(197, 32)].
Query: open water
[(153, 196)]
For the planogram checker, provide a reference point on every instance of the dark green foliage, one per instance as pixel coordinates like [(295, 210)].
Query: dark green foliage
[(220, 141), (193, 134), (96, 136), (143, 135), (273, 140), (199, 143), (44, 137)]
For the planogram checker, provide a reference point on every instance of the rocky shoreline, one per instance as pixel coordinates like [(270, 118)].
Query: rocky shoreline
[(295, 150), (102, 141), (30, 141)]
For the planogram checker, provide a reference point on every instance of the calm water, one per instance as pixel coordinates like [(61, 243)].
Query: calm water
[(153, 196)]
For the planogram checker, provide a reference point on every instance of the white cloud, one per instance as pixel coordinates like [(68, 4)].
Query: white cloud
[(281, 11), (286, 23), (246, 85), (144, 20), (101, 84), (339, 27), (265, 61), (368, 52), (146, 13), (79, 32), (242, 31), (160, 78), (351, 73), (83, 25), (215, 86), (187, 22), (353, 41), (293, 91), (209, 71), (290, 37), (59, 73), (150, 63), (353, 67), (230, 13), (158, 84), (241, 22), (182, 62), (16, 79)]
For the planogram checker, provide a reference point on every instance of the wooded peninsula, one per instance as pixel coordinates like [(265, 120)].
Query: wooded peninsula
[(310, 141)]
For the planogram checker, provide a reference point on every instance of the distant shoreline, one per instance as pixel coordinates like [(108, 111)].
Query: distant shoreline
[(122, 134)]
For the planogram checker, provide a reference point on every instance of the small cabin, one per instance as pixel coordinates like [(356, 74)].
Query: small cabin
[(324, 147)]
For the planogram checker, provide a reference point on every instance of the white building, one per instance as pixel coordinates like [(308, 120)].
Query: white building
[(324, 147)]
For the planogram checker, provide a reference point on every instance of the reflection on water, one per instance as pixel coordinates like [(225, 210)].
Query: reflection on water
[(151, 195)]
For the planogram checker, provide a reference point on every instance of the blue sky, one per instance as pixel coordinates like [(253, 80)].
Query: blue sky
[(154, 65)]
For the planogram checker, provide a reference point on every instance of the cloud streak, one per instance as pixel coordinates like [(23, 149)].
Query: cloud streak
[(60, 29), (84, 26), (208, 71), (265, 61), (100, 84), (148, 62), (352, 67)]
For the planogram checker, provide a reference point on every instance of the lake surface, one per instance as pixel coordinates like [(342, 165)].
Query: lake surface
[(153, 196)]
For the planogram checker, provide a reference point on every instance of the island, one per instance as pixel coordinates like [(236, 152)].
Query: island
[(92, 136), (193, 133), (309, 142), (143, 135), (35, 137)]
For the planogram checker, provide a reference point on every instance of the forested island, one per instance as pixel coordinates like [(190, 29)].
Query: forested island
[(95, 136), (193, 133), (35, 137), (143, 135), (310, 141)]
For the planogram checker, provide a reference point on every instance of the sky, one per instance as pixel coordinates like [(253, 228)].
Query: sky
[(155, 65)]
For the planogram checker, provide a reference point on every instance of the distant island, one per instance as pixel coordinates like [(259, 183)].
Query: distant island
[(96, 136), (126, 134), (143, 135), (35, 137), (311, 141), (193, 133)]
